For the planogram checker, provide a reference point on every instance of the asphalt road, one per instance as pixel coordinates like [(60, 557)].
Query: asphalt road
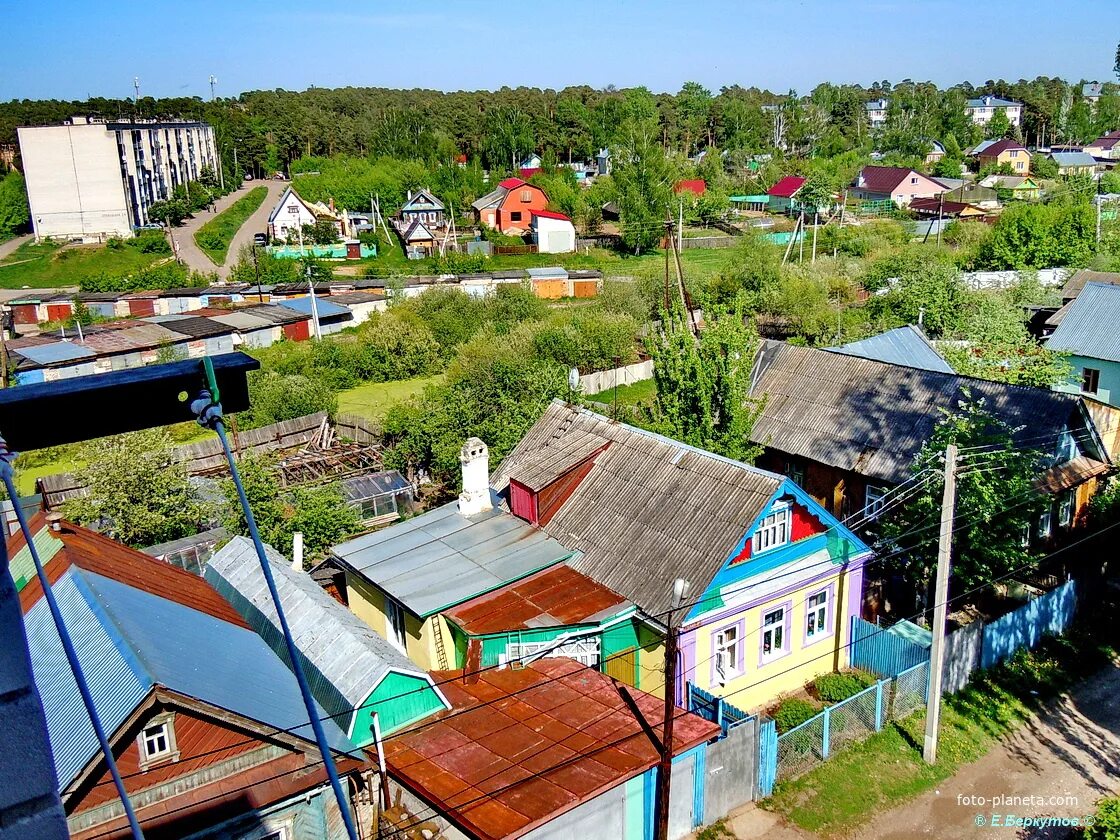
[(195, 259)]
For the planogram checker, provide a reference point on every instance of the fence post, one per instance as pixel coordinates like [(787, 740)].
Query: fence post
[(719, 713), (879, 705), (825, 734)]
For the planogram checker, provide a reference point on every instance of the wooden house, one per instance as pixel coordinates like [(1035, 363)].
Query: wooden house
[(425, 207)]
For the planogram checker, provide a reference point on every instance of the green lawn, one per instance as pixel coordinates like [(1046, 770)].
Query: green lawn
[(887, 769), (48, 264), (215, 236), (640, 392), (373, 399)]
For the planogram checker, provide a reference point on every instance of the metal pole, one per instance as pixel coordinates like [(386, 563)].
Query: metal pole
[(314, 306), (941, 215), (680, 229), (816, 222), (940, 605)]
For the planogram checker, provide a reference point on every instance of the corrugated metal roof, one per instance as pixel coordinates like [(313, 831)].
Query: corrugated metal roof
[(509, 750), (651, 510), (1076, 282), (902, 346), (871, 417), (343, 657), (552, 272), (62, 351), (276, 313), (243, 320), (128, 641), (1073, 159), (355, 298), (214, 535), (198, 327), (1089, 325), (441, 558), (324, 307)]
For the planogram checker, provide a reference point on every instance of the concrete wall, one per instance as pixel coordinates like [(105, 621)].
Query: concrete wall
[(602, 818), (74, 185), (594, 383), (731, 771)]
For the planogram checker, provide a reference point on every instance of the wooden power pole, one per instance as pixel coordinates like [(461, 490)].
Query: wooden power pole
[(665, 765), (940, 605)]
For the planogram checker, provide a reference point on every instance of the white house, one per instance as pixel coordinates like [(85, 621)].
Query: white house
[(981, 110), (554, 233), (291, 213)]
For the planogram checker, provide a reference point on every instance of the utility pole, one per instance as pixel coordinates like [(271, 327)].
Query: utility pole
[(4, 350), (940, 605), (665, 766), (1098, 202), (801, 241), (816, 221), (940, 215), (680, 229), (314, 305), (136, 89)]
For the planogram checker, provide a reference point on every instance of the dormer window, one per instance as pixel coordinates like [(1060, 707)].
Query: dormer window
[(157, 741), (774, 529)]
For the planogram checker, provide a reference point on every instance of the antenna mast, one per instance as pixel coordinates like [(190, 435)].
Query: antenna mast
[(136, 87), (213, 81)]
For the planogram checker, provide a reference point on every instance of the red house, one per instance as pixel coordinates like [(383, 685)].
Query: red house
[(509, 209), (783, 192)]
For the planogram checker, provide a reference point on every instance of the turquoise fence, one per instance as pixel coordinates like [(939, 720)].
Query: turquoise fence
[(883, 651), (715, 709), (323, 252), (767, 757), (1049, 614)]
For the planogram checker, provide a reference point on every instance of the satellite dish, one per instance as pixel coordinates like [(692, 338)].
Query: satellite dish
[(573, 379)]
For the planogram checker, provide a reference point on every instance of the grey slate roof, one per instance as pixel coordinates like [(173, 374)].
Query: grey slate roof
[(902, 346), (1073, 159), (1089, 327), (871, 417), (442, 558), (343, 657), (129, 641), (649, 511), (491, 199), (1079, 278)]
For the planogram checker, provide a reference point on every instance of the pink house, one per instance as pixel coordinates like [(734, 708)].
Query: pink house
[(893, 183)]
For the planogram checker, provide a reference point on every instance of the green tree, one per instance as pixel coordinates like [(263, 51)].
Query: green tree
[(643, 181), (14, 212), (509, 137), (995, 504), (170, 212), (998, 126), (947, 167), (1041, 236), (925, 288), (275, 397), (703, 383), (138, 492), (754, 267), (320, 513), (1042, 166)]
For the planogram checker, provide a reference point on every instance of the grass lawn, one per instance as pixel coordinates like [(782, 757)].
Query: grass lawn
[(373, 399), (640, 392), (48, 264), (215, 236), (887, 769)]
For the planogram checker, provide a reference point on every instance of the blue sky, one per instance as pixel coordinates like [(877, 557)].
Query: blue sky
[(67, 49)]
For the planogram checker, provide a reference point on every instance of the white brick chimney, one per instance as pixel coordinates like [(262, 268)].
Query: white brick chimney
[(475, 459)]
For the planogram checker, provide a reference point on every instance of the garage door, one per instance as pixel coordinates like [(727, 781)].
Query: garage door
[(559, 242), (681, 798)]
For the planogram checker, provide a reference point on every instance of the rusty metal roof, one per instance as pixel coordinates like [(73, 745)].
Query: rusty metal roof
[(525, 746), (556, 597), (650, 510), (872, 417)]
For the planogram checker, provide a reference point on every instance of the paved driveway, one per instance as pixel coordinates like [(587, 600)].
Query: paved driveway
[(195, 258), (10, 246)]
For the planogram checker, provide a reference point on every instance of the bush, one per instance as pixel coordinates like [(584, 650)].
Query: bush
[(150, 242), (793, 712), (1107, 824), (834, 688)]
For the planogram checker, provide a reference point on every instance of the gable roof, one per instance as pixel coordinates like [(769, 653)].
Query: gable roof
[(441, 558), (1106, 141), (513, 183), (999, 147), (650, 510), (491, 199), (550, 214), (945, 207), (422, 200), (982, 146), (902, 346), (787, 187), (343, 657), (871, 417), (131, 640), (1078, 280), (417, 232), (1073, 159), (1089, 325), (288, 191), (519, 750), (884, 179)]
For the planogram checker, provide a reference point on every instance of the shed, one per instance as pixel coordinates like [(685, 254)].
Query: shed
[(549, 282), (332, 317), (379, 496)]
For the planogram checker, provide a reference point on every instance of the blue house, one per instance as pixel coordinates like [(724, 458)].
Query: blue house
[(1087, 332)]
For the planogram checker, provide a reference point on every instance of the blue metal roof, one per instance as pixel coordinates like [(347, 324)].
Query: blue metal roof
[(52, 354), (903, 346), (441, 558), (325, 308), (991, 102), (1089, 326), (129, 641)]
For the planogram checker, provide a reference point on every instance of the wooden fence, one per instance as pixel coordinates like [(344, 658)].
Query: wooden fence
[(883, 650), (357, 428), (514, 250)]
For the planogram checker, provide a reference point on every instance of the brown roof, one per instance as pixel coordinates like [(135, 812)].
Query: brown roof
[(1076, 283), (554, 597), (650, 509), (521, 747), (999, 147), (1070, 474), (937, 206), (97, 553)]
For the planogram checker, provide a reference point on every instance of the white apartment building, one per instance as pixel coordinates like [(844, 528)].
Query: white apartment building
[(877, 111), (92, 179), (981, 110)]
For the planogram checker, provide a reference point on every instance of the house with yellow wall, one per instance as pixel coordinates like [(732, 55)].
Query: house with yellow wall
[(1015, 155)]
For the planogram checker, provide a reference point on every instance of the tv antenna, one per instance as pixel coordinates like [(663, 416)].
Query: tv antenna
[(213, 81)]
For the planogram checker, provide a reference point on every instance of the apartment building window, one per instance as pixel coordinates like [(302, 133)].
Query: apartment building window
[(816, 617), (773, 634), (394, 624), (1090, 380), (774, 529), (157, 741)]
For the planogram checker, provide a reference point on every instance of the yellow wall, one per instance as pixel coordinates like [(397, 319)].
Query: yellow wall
[(757, 686), (651, 667), (368, 604)]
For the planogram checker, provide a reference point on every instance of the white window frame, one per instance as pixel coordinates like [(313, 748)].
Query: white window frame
[(1045, 524), (1065, 509), (873, 496), (727, 654), (395, 629), (165, 724), (776, 631), (587, 651), (774, 529), (816, 616)]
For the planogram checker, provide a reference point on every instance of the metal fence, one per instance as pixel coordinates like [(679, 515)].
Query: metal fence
[(882, 650), (805, 746), (715, 709)]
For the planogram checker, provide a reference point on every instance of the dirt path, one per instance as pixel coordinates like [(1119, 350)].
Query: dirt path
[(9, 247), (1057, 765)]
